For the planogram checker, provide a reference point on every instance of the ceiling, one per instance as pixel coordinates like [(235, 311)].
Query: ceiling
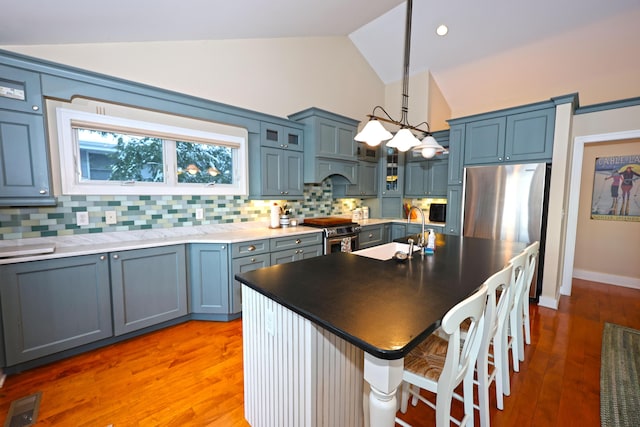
[(498, 53)]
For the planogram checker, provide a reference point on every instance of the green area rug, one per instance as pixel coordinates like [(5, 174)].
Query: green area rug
[(620, 377)]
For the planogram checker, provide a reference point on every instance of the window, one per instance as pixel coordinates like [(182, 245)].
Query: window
[(102, 154)]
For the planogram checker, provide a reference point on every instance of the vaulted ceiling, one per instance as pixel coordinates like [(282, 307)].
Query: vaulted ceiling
[(497, 52)]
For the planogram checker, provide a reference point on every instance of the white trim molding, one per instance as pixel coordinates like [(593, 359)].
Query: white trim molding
[(574, 196), (548, 302), (611, 279)]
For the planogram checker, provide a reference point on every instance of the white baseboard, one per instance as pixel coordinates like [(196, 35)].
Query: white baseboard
[(548, 302), (611, 279)]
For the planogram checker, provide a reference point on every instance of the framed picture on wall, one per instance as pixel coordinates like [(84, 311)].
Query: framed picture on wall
[(616, 188)]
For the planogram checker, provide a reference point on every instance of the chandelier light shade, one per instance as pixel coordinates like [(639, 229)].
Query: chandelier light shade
[(404, 140), (429, 147), (374, 133)]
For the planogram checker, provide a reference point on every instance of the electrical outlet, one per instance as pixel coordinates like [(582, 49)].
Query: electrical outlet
[(111, 217), (199, 213), (82, 218)]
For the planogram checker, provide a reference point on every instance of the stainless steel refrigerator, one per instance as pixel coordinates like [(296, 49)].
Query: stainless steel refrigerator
[(508, 202)]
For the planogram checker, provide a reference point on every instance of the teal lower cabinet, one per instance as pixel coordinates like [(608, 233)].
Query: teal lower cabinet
[(291, 255), (245, 256), (243, 265), (398, 231), (373, 235), (454, 210), (54, 305), (149, 286), (294, 248), (415, 228), (209, 278)]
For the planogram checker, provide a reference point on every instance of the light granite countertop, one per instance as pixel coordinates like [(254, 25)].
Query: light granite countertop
[(41, 248)]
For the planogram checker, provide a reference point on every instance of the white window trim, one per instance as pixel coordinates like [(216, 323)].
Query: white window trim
[(69, 152)]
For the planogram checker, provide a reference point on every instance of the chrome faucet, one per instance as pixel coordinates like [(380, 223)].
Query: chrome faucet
[(421, 240)]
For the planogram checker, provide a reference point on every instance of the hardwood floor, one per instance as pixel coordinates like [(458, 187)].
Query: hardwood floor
[(191, 374)]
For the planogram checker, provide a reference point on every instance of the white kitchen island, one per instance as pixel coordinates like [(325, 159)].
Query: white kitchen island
[(313, 330)]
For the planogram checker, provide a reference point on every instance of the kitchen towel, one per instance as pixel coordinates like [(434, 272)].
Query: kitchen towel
[(345, 244)]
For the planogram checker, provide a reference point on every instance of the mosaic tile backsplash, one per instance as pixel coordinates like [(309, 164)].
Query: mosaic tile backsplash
[(148, 212)]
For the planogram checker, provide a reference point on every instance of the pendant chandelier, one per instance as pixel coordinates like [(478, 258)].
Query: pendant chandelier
[(374, 133)]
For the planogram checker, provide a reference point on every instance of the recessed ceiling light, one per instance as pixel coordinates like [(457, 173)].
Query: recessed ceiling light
[(442, 30)]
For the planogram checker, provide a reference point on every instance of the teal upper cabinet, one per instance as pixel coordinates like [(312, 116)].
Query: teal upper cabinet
[(484, 141), (530, 136), (20, 90), (512, 137), (427, 178), (329, 145), (366, 187), (392, 164), (456, 150), (281, 173), (277, 136), (276, 162), (24, 159)]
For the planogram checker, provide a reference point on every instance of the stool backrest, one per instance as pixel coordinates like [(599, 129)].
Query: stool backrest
[(460, 360)]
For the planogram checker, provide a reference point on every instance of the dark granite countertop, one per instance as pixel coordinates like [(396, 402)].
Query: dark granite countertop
[(384, 307)]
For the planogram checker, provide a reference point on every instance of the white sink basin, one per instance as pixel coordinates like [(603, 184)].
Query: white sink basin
[(383, 252)]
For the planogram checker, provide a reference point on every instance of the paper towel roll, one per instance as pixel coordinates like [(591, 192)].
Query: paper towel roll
[(275, 216)]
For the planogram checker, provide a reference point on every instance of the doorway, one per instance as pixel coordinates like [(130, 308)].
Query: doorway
[(574, 196)]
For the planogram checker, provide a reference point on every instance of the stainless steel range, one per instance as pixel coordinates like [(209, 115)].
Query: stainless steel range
[(340, 234)]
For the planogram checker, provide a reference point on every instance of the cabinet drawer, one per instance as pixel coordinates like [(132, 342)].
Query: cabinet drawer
[(296, 241), (291, 255), (253, 247), (243, 265), (372, 236)]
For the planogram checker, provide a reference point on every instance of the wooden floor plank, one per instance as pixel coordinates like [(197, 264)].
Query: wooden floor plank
[(191, 374)]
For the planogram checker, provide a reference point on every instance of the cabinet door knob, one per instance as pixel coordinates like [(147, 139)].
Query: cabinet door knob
[(253, 260), (508, 157), (251, 248), (298, 241), (102, 257), (370, 235), (500, 158), (35, 108), (115, 256), (43, 191), (301, 250), (223, 247)]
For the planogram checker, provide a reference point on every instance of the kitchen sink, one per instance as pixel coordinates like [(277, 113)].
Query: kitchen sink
[(384, 252)]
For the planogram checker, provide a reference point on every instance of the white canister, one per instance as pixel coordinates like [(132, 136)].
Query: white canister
[(356, 214), (365, 212)]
